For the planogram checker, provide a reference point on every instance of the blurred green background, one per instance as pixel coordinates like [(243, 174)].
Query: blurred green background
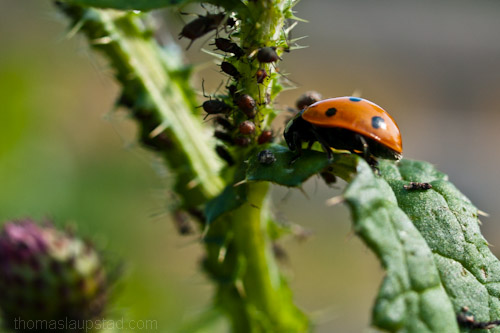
[(64, 154)]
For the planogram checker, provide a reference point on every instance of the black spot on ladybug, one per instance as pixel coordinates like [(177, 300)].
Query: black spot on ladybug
[(355, 99), (331, 112), (378, 122)]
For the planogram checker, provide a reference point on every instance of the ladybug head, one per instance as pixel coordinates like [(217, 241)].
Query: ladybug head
[(294, 131)]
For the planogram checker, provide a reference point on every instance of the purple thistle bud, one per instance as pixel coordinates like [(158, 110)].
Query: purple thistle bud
[(48, 274)]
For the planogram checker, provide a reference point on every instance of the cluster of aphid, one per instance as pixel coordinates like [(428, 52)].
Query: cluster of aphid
[(234, 114), (344, 123)]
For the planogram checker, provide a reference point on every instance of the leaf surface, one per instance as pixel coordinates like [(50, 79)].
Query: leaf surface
[(411, 297)]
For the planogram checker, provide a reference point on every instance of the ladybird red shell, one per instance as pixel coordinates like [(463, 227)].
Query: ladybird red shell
[(357, 115)]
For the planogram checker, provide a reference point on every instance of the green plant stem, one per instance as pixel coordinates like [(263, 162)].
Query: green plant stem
[(239, 251), (259, 299), (150, 80), (261, 277)]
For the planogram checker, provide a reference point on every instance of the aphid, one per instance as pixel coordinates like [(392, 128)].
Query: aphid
[(280, 253), (142, 113), (417, 186), (160, 142), (125, 100), (229, 69), (215, 106), (200, 26), (466, 319), (226, 124), (198, 214), (224, 154), (232, 90), (348, 123), (328, 177), (246, 104), (266, 157), (231, 22), (261, 75), (247, 127), (226, 45), (242, 141), (267, 54), (265, 137), (307, 98), (223, 136), (183, 223)]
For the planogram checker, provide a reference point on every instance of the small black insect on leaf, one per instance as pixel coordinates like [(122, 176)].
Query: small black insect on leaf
[(412, 186)]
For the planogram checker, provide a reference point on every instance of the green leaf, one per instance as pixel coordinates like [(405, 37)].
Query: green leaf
[(284, 172), (128, 4), (231, 198), (411, 297), (429, 242), (449, 223)]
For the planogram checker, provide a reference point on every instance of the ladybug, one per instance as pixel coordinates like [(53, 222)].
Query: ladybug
[(348, 123)]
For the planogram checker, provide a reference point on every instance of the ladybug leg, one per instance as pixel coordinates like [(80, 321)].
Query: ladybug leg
[(298, 146), (324, 144), (366, 150), (297, 142), (326, 148), (328, 151), (374, 165), (372, 161)]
